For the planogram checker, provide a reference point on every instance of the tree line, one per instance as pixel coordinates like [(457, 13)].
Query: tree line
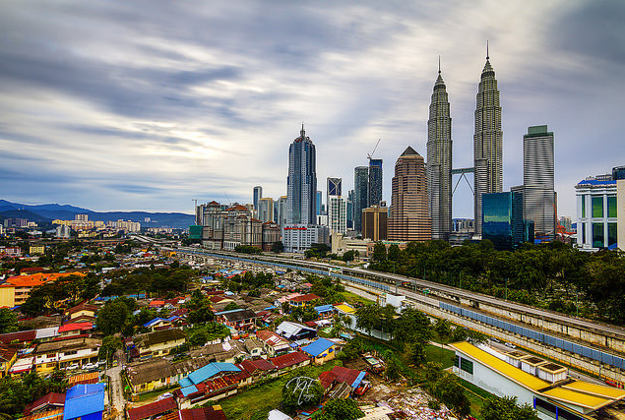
[(555, 276)]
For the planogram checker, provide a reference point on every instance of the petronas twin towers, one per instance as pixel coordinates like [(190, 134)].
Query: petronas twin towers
[(487, 151)]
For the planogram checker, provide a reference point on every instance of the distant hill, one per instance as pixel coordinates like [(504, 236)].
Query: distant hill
[(43, 213)]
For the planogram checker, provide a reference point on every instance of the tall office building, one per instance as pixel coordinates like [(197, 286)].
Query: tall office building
[(361, 190), (265, 209), (281, 216), (350, 209), (503, 221), (302, 181), (337, 214), (409, 219), (439, 161), (487, 141), (319, 202), (375, 182), (334, 188), (257, 195), (538, 193), (375, 222)]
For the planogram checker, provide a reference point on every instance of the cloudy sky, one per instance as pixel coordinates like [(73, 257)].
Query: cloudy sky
[(123, 105)]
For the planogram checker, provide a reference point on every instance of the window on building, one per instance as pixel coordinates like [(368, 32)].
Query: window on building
[(457, 361), (611, 234), (567, 415), (583, 206), (597, 206), (545, 407), (583, 233), (597, 235), (466, 365), (611, 206)]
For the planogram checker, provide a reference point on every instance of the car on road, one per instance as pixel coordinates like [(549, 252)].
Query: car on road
[(91, 366)]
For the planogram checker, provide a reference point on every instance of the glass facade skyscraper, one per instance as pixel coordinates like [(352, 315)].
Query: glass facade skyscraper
[(375, 182), (361, 188), (487, 141), (258, 194), (302, 181), (503, 222), (439, 163)]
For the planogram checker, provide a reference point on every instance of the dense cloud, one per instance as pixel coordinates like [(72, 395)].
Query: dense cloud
[(148, 104)]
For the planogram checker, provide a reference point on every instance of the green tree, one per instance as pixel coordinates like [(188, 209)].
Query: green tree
[(110, 344), (506, 408), (393, 370), (379, 253), (277, 247), (394, 252), (231, 306), (113, 317), (294, 397), (8, 321), (368, 317), (339, 409)]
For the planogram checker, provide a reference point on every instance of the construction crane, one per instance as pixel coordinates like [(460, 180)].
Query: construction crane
[(370, 155)]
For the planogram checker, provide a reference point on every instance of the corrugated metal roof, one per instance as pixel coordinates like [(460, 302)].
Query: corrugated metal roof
[(82, 400), (211, 370), (317, 347)]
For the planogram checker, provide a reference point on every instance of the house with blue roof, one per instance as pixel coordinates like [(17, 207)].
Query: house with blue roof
[(325, 311), (321, 350), (161, 323), (84, 402), (205, 373)]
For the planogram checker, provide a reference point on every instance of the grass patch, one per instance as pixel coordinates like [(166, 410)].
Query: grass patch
[(476, 395), (353, 298), (437, 354), (153, 394), (263, 398)]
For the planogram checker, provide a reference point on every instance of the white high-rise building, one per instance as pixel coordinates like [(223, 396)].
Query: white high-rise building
[(539, 203), (337, 214)]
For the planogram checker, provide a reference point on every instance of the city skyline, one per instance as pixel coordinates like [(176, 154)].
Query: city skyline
[(107, 115)]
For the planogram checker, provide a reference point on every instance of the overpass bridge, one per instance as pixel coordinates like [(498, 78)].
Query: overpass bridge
[(594, 347)]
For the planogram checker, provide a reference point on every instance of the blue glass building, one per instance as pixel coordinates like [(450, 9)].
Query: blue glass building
[(302, 181), (503, 222), (375, 182)]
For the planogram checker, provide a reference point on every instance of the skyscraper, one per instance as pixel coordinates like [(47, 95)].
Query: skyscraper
[(334, 188), (265, 209), (258, 194), (538, 193), (350, 209), (319, 202), (375, 223), (375, 182), (409, 219), (439, 159), (282, 206), (361, 190), (302, 181), (487, 141), (503, 221), (337, 214)]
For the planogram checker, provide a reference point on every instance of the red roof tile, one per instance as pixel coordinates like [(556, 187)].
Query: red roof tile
[(152, 409), (51, 399), (75, 326), (305, 298), (289, 359), (20, 336), (203, 413), (251, 366)]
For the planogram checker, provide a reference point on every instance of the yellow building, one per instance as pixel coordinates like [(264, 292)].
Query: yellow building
[(8, 355), (37, 250), (16, 290), (159, 343), (322, 350)]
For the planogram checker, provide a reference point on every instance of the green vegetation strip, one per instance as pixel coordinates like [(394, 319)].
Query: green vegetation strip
[(258, 401)]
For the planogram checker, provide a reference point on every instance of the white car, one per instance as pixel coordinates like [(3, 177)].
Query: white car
[(73, 366), (90, 366)]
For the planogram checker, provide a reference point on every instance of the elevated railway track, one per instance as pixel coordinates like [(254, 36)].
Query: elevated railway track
[(594, 347)]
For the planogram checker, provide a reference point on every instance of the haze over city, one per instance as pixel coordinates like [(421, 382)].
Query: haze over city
[(146, 105)]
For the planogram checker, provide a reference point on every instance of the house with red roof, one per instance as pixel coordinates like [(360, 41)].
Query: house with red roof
[(290, 361), (50, 401), (152, 410), (259, 368), (272, 342), (304, 300), (72, 329), (341, 375)]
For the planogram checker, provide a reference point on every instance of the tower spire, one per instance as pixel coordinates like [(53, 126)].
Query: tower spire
[(302, 132), (487, 57), (439, 64)]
